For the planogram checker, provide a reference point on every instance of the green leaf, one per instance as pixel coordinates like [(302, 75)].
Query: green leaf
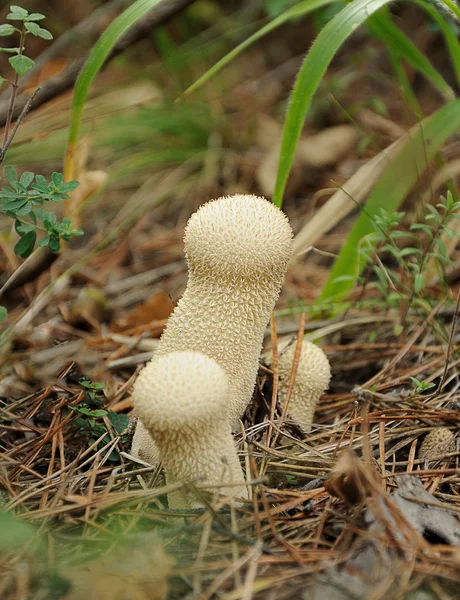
[(402, 172), (13, 205), (21, 64), (25, 245), (35, 17), (97, 59), (54, 244), (3, 313), (26, 179), (70, 186), (22, 228), (10, 50), (311, 73), (299, 10), (452, 42), (381, 25), (38, 31), (419, 282), (442, 248), (24, 210), (44, 241), (17, 14), (44, 34), (98, 413), (19, 10), (33, 28), (10, 174), (409, 251), (422, 227), (120, 421), (49, 220), (15, 533), (6, 30), (57, 179)]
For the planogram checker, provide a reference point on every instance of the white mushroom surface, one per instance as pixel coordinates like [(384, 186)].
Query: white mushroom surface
[(238, 249), (311, 381), (183, 399)]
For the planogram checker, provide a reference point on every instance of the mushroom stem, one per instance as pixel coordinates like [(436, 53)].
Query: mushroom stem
[(182, 399)]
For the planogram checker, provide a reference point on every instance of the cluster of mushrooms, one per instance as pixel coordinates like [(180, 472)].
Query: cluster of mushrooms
[(202, 376)]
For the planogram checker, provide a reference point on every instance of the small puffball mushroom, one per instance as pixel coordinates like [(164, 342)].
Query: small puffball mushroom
[(311, 381), (437, 443), (183, 400), (238, 249)]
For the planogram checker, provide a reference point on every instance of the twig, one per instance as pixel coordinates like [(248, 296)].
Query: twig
[(295, 364), (19, 120)]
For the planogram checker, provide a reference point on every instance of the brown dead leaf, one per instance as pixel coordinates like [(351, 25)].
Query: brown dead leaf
[(157, 308), (351, 480), (90, 305), (314, 152), (327, 147)]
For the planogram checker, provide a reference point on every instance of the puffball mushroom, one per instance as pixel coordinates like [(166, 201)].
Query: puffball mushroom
[(311, 381), (438, 442), (237, 249), (182, 399)]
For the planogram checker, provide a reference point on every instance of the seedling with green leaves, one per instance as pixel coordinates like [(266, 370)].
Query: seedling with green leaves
[(412, 250), (20, 201), (89, 416), (19, 62), (421, 386)]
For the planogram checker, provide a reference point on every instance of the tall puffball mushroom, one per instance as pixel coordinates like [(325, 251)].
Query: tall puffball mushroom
[(237, 249), (182, 399), (311, 381)]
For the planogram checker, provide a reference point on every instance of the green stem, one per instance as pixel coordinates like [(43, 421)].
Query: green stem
[(14, 93)]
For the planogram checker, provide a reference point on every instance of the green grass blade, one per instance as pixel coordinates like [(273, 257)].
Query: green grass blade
[(395, 183), (311, 73), (381, 26), (452, 42), (94, 64), (299, 10), (453, 8), (410, 99)]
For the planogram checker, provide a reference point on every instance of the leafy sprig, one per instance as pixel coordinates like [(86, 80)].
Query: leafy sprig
[(19, 62), (89, 415), (21, 201), (423, 244)]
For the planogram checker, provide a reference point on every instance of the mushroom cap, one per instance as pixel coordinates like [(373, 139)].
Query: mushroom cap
[(238, 236), (179, 388), (313, 372), (438, 441)]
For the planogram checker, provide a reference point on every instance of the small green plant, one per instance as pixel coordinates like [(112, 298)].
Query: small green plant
[(421, 386), (411, 251), (20, 63), (22, 197), (20, 200), (89, 415)]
